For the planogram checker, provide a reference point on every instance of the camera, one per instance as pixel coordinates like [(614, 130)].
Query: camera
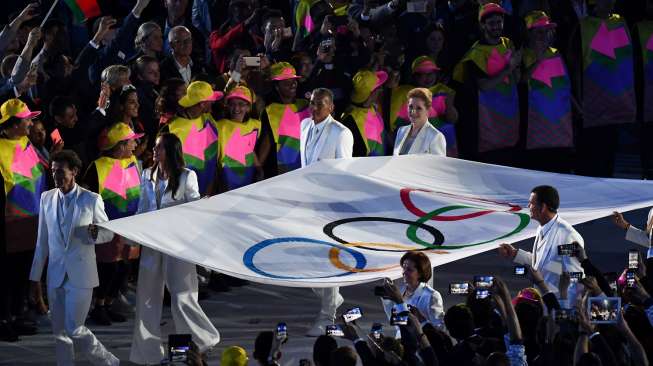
[(282, 331), (633, 259), (520, 270), (483, 281), (178, 347), (459, 288), (334, 330), (567, 250), (352, 314), (377, 331)]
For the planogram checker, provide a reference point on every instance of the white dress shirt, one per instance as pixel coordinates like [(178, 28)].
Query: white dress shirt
[(184, 71), (65, 210), (314, 134)]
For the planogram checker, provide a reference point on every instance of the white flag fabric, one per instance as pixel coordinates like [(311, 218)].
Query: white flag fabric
[(349, 221)]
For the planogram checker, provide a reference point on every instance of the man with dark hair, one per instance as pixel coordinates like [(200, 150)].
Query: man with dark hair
[(66, 237), (76, 136), (344, 356), (552, 232), (322, 349)]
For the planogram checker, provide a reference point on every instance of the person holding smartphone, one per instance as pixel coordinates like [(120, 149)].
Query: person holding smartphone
[(553, 231)]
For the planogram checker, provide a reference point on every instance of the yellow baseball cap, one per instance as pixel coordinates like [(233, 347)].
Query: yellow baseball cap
[(197, 92), (15, 108), (365, 83), (424, 65), (119, 132), (234, 356), (241, 92), (538, 19), (283, 71)]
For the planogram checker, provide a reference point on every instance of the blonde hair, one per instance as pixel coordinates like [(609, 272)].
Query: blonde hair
[(423, 94)]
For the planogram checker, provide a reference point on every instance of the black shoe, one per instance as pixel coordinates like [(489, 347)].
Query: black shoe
[(218, 282), (99, 315), (7, 333), (23, 328), (115, 316)]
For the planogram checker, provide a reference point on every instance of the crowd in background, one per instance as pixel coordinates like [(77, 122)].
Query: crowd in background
[(542, 84)]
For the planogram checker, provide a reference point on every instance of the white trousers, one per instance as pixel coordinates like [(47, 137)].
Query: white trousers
[(329, 298), (156, 270), (69, 306)]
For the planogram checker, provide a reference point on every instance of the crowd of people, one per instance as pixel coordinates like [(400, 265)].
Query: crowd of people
[(132, 106)]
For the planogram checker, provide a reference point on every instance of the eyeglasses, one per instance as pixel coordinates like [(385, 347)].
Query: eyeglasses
[(184, 41)]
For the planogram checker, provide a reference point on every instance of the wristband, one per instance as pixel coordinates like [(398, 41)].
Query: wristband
[(594, 335)]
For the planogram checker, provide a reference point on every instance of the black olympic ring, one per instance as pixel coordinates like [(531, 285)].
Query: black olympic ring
[(438, 238)]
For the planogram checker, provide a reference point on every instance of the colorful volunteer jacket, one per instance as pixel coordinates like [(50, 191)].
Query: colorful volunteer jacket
[(199, 139), (645, 35), (608, 72), (549, 101), (23, 173), (285, 122), (399, 112), (498, 108), (237, 151), (118, 183), (370, 126)]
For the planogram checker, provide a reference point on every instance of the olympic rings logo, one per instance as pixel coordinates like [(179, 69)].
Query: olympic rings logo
[(353, 249)]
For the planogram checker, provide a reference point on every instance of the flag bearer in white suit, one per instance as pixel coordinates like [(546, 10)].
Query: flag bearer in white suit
[(66, 238), (553, 231), (322, 137), (419, 137)]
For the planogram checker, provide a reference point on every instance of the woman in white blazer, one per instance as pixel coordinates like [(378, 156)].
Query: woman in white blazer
[(419, 137), (167, 184), (414, 290)]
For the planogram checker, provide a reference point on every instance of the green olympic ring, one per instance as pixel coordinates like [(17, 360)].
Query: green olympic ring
[(411, 232)]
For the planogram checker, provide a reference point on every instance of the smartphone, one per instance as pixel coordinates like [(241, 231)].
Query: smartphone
[(416, 7), (520, 271), (483, 281), (55, 136), (603, 310), (461, 288), (379, 291), (611, 277), (326, 46), (399, 319), (287, 32), (178, 347), (631, 281), (334, 330), (282, 331), (352, 314), (633, 259), (254, 61), (575, 276), (567, 250), (377, 331), (482, 293)]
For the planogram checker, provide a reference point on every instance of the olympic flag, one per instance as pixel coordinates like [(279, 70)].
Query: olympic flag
[(344, 222)]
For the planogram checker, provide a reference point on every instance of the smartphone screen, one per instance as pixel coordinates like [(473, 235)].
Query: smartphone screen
[(520, 271), (603, 310), (461, 288), (567, 250), (630, 279), (287, 32), (334, 330), (483, 281), (55, 136), (575, 276), (352, 314), (178, 347), (282, 331), (252, 61), (399, 319), (633, 259), (482, 293), (377, 331)]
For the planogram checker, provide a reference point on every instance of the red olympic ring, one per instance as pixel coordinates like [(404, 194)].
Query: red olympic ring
[(404, 193)]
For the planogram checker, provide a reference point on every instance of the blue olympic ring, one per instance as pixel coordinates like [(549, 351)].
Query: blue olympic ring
[(248, 257)]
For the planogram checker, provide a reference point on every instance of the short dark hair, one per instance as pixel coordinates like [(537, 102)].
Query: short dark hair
[(67, 156), (8, 124), (422, 264), (322, 349), (344, 356), (263, 345), (143, 61), (547, 195), (459, 321), (59, 104)]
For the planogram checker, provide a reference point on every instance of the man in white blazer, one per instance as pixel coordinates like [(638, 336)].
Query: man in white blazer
[(66, 239), (552, 232), (322, 137)]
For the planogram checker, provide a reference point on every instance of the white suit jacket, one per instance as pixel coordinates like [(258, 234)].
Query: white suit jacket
[(71, 253), (550, 264), (639, 236), (188, 191), (336, 141), (428, 141), (426, 299)]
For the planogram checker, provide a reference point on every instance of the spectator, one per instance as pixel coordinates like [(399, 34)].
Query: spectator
[(167, 103), (179, 63), (344, 356), (235, 31), (146, 83), (148, 41), (322, 349), (420, 137)]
